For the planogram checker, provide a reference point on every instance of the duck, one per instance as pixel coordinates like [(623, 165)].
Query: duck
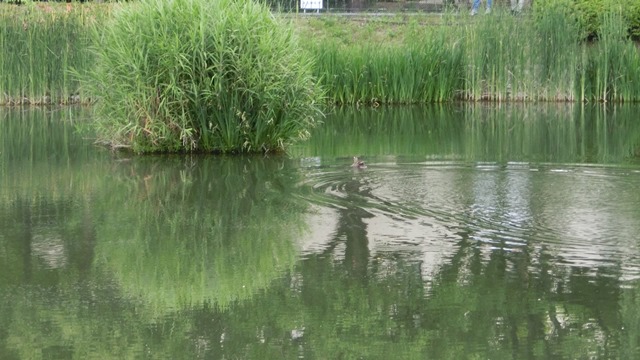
[(358, 164)]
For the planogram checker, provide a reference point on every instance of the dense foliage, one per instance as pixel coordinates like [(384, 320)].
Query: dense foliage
[(205, 76), (589, 13)]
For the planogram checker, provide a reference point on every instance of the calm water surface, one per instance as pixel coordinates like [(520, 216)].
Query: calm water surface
[(475, 232)]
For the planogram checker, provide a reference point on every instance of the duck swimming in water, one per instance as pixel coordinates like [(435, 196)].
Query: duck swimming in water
[(358, 164)]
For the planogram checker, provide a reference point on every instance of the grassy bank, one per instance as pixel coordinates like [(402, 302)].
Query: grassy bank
[(535, 57), (540, 56)]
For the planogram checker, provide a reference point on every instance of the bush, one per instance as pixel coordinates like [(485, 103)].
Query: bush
[(200, 75), (633, 17), (589, 13)]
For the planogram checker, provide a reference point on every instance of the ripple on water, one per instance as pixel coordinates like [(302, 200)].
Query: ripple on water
[(583, 215)]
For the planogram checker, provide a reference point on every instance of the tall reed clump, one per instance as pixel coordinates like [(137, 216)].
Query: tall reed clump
[(495, 53), (521, 58), (615, 62), (546, 57), (417, 70), (39, 44), (200, 76), (556, 50)]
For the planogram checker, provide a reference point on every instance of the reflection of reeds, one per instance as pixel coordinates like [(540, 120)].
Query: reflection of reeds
[(173, 230), (188, 230), (39, 45), (44, 154), (543, 132)]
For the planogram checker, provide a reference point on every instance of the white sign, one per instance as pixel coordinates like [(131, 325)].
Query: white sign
[(311, 4)]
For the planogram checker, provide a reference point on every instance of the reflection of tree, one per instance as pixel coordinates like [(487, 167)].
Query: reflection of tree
[(46, 222), (509, 305), (205, 236), (41, 235), (22, 241), (352, 228), (46, 247)]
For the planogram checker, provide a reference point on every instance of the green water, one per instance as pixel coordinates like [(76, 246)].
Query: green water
[(475, 232)]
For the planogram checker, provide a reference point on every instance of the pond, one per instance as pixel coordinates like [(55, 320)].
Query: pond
[(474, 232)]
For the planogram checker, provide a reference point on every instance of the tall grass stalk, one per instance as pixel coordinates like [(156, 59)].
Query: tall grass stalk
[(520, 58), (40, 43), (423, 70), (615, 62), (555, 54)]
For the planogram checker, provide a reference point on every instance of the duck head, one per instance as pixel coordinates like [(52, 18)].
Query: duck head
[(357, 163)]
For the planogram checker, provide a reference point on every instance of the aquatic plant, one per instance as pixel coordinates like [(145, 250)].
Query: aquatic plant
[(39, 44), (615, 62), (418, 71), (200, 76)]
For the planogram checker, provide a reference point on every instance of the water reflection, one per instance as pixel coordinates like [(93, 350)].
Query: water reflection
[(497, 284), (474, 232), (558, 133), (181, 231), (520, 226)]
